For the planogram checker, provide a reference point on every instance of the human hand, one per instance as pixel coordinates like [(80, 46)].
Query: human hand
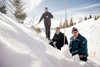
[(38, 22), (46, 16)]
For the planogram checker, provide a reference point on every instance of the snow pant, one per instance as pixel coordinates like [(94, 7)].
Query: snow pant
[(47, 30)]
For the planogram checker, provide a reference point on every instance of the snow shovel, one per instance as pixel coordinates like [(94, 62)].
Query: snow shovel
[(53, 44)]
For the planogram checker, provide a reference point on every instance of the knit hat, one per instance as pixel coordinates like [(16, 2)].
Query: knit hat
[(46, 7), (74, 29)]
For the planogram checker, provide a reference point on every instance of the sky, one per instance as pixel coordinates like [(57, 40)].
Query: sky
[(76, 9)]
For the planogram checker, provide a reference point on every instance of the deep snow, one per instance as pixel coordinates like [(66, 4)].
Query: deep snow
[(22, 47), (91, 30)]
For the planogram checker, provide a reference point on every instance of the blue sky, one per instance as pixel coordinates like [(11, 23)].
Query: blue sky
[(75, 8)]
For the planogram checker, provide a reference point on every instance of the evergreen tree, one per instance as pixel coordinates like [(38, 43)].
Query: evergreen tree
[(65, 26), (99, 16), (95, 18), (90, 17), (71, 22), (60, 25), (80, 20), (67, 23), (19, 14), (85, 18), (2, 7), (74, 23)]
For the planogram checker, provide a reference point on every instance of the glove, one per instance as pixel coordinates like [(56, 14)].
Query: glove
[(46, 16), (54, 42)]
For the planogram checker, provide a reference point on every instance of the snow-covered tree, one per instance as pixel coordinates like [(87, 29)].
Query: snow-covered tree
[(19, 14)]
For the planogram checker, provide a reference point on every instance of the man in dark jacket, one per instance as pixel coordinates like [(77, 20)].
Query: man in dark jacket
[(47, 22), (58, 39), (78, 45)]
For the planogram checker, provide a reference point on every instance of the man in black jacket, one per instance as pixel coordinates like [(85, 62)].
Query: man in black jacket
[(47, 22), (58, 39)]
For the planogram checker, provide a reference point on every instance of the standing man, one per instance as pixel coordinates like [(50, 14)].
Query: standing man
[(58, 39), (47, 22), (78, 45)]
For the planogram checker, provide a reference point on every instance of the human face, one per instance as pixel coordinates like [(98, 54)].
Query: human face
[(57, 31), (75, 34), (46, 10)]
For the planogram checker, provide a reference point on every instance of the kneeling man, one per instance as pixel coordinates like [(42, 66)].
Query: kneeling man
[(58, 39), (78, 45)]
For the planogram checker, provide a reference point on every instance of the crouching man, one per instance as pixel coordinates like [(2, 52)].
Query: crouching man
[(58, 39), (78, 45)]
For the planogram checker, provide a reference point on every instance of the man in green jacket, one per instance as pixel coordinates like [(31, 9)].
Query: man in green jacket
[(78, 45)]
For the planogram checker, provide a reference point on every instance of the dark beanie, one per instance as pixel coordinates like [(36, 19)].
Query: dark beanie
[(74, 29), (46, 7)]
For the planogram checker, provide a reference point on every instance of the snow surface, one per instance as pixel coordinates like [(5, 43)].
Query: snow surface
[(91, 30), (22, 47)]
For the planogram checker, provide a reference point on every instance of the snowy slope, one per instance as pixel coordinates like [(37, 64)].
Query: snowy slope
[(21, 47), (91, 30)]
